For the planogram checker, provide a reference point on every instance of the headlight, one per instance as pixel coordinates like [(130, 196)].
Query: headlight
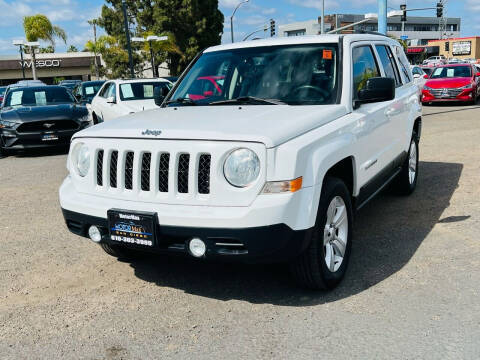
[(81, 159), (6, 124), (427, 88), (468, 86), (241, 167)]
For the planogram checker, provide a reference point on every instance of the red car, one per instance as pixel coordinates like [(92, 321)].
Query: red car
[(454, 82)]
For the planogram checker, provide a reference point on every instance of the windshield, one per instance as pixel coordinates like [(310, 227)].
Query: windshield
[(451, 72), (140, 90), (2, 90), (38, 97), (294, 74), (91, 89)]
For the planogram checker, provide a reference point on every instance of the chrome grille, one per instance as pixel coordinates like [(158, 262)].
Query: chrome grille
[(204, 174), (182, 180), (154, 172), (445, 93), (100, 168), (113, 169)]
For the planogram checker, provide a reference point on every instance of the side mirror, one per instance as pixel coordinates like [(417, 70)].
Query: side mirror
[(477, 74), (78, 97), (111, 100), (425, 76), (376, 89), (159, 94)]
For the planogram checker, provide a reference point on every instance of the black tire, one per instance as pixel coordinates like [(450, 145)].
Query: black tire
[(121, 252), (310, 268), (402, 184)]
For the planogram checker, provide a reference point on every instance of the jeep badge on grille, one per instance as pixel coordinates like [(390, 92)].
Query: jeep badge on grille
[(152, 132)]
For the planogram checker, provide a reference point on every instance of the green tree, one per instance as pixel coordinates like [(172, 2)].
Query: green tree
[(47, 49), (72, 48), (38, 27), (192, 24)]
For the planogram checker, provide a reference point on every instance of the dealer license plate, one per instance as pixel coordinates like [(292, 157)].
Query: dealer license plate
[(128, 227), (49, 137)]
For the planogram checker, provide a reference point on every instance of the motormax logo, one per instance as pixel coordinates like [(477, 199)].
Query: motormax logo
[(152, 132), (41, 63), (129, 217)]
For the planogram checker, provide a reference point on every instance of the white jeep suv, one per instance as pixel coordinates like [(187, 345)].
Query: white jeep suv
[(267, 165)]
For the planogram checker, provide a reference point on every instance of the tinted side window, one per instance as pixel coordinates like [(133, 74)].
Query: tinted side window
[(388, 63), (364, 67), (103, 92)]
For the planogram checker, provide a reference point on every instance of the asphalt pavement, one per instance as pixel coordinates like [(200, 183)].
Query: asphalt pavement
[(412, 290)]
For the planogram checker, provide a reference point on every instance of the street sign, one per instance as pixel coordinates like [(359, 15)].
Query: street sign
[(404, 37)]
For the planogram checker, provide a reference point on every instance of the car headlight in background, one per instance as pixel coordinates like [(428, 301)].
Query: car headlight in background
[(241, 168), (468, 86), (81, 159), (6, 124)]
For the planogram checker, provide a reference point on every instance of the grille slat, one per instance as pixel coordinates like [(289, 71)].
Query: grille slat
[(182, 175), (46, 125), (445, 93), (188, 177), (203, 175), (145, 181), (163, 171), (129, 170), (113, 169), (100, 168)]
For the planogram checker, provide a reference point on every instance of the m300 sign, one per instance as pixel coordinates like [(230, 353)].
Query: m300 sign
[(42, 63)]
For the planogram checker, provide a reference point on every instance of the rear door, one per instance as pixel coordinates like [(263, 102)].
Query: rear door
[(99, 102)]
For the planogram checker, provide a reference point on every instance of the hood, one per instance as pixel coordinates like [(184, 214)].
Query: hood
[(140, 105), (50, 112), (448, 82), (268, 124)]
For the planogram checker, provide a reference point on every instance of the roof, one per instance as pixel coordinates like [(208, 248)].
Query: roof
[(453, 65), (455, 39), (124, 81), (296, 40)]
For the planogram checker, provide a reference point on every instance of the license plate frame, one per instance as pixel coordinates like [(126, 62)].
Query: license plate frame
[(136, 228), (49, 137)]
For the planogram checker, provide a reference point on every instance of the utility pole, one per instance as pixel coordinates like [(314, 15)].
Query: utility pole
[(127, 33), (403, 8), (233, 14), (382, 17)]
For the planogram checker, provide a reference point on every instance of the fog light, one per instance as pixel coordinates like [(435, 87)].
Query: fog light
[(197, 247), (95, 234)]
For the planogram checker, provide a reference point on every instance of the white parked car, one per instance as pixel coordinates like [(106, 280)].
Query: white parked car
[(435, 61), (262, 152), (419, 77), (122, 97)]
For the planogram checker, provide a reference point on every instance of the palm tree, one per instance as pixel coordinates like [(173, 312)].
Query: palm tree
[(38, 27), (93, 46)]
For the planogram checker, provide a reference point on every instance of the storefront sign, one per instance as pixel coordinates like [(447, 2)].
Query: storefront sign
[(462, 48), (42, 63)]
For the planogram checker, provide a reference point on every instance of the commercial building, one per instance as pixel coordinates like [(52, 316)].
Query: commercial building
[(460, 48), (418, 30), (74, 65)]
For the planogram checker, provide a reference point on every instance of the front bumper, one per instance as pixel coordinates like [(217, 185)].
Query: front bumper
[(464, 96), (12, 140), (265, 244)]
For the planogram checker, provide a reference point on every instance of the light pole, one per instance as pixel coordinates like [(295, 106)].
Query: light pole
[(20, 44), (127, 33), (233, 14), (322, 25), (382, 17), (33, 46), (150, 39)]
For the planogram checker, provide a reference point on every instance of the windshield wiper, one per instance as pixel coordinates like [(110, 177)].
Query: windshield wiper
[(249, 100), (182, 101)]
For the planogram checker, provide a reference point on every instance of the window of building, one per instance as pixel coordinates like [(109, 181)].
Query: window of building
[(364, 67), (388, 63), (299, 32)]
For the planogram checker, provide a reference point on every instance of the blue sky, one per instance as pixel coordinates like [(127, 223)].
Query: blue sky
[(72, 15)]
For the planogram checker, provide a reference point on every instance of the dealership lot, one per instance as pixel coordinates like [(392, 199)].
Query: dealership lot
[(411, 291)]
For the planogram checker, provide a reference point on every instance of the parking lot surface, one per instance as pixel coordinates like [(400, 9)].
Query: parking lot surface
[(412, 290)]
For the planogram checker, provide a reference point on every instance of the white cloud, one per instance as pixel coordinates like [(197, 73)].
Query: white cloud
[(473, 5), (316, 4)]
